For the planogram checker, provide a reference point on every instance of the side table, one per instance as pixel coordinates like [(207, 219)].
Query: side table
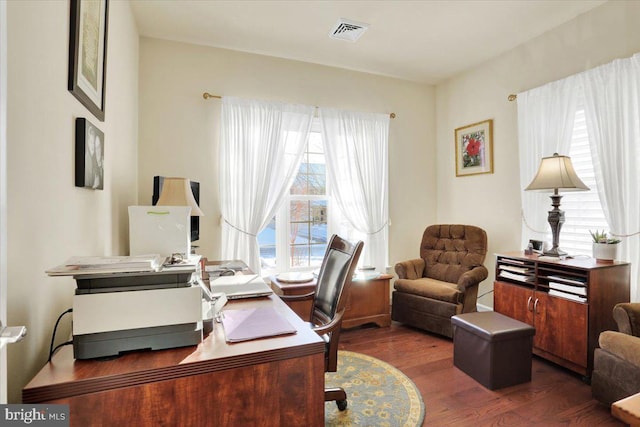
[(368, 300), (303, 307)]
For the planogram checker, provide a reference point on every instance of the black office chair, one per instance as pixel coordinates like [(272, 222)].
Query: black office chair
[(329, 302)]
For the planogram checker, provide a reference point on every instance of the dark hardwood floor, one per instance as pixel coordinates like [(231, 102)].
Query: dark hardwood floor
[(554, 397)]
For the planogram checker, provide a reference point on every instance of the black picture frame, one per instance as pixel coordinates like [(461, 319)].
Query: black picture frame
[(88, 53), (89, 161)]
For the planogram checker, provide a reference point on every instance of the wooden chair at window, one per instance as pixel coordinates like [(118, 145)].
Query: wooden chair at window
[(329, 303)]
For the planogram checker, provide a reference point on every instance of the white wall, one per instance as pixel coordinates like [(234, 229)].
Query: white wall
[(49, 219), (179, 129), (493, 201)]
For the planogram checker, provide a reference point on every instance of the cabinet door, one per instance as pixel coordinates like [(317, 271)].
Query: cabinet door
[(513, 301), (561, 327)]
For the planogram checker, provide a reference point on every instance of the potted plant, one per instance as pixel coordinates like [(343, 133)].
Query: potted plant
[(604, 248)]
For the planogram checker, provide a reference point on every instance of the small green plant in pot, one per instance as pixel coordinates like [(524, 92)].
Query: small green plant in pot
[(605, 248)]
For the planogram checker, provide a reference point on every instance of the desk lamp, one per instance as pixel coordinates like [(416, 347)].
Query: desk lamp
[(177, 192), (556, 173)]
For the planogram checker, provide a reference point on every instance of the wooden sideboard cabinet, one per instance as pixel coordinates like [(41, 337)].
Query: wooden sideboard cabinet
[(569, 302), (368, 301)]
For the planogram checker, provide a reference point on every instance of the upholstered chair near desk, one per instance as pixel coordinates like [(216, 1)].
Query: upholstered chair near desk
[(443, 281), (616, 364), (329, 303)]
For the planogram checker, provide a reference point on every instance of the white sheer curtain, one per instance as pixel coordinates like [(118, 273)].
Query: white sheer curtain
[(261, 146), (356, 147), (612, 106), (545, 124)]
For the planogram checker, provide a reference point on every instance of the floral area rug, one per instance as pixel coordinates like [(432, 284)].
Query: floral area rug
[(377, 394)]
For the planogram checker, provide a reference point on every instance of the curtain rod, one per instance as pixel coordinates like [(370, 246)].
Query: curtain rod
[(207, 95)]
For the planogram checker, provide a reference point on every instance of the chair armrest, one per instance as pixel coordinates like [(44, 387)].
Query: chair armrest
[(301, 297), (472, 277), (624, 346), (412, 269), (326, 328), (627, 316)]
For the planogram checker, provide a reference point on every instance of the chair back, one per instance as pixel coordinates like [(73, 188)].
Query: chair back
[(450, 250), (334, 279)]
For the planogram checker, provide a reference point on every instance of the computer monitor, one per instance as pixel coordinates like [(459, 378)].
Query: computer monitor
[(195, 189)]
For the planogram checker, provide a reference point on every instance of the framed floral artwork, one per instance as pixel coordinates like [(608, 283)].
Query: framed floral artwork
[(474, 148)]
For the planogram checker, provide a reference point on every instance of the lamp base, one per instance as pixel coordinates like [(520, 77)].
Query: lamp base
[(554, 252)]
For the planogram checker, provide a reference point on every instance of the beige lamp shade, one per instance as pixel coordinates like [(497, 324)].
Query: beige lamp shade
[(557, 172), (177, 192)]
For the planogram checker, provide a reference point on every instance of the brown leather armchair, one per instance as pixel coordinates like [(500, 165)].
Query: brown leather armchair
[(443, 281), (616, 364)]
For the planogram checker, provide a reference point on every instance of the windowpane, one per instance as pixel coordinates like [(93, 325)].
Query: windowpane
[(267, 243), (300, 233), (299, 256)]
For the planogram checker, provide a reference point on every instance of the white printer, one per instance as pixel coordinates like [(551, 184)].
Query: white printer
[(119, 312)]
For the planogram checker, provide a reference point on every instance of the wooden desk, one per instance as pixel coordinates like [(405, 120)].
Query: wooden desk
[(627, 410), (269, 382), (368, 300)]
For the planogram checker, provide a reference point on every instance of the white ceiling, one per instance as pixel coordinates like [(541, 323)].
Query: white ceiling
[(425, 41)]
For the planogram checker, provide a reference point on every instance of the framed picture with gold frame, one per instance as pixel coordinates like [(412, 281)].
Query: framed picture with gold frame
[(474, 148)]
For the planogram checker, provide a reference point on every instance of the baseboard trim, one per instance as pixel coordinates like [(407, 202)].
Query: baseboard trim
[(482, 307)]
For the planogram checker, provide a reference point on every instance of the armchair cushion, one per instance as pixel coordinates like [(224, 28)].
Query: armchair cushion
[(626, 347), (430, 288), (451, 250)]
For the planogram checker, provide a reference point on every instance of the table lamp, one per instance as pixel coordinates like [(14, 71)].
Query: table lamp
[(177, 192), (556, 173)]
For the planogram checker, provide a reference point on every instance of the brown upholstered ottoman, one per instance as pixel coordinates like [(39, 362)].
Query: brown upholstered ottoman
[(492, 348)]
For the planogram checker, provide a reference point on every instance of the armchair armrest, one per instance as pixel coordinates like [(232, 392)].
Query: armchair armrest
[(627, 316), (412, 269), (624, 346), (473, 277)]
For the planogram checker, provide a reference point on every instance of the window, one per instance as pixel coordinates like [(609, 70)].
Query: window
[(583, 210), (296, 238)]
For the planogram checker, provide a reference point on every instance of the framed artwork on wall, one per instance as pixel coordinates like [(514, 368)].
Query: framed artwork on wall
[(474, 148), (89, 155), (88, 53)]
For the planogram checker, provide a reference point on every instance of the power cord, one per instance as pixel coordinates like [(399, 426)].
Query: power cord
[(486, 293), (53, 336)]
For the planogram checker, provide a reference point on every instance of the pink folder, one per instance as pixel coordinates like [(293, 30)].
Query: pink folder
[(253, 323)]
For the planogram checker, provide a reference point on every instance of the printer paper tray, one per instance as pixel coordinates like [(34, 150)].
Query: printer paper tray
[(106, 344)]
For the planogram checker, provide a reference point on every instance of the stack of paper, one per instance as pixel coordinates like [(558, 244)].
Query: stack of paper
[(106, 264), (514, 276), (567, 296)]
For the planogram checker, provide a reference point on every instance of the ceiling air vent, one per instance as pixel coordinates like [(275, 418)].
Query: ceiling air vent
[(348, 30)]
